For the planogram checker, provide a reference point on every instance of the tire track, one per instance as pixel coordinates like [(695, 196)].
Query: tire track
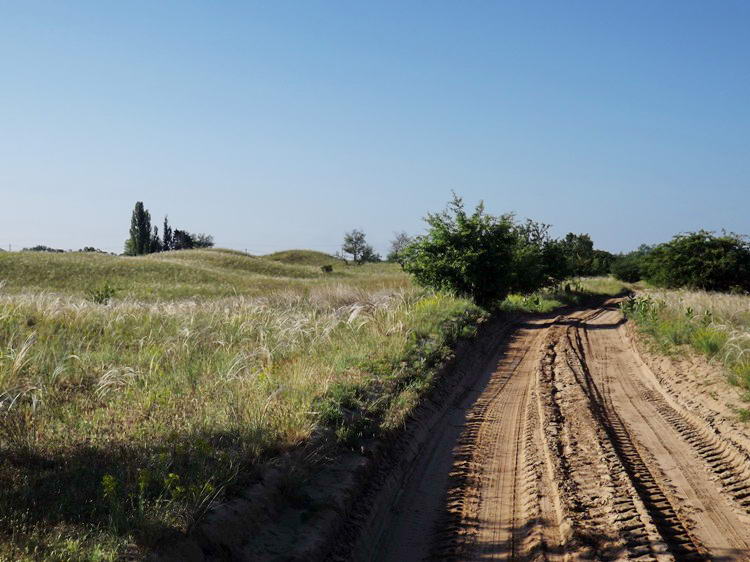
[(487, 503), (606, 518), (674, 530), (674, 442), (725, 462)]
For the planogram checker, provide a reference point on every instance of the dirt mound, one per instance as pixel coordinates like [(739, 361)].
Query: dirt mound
[(303, 257)]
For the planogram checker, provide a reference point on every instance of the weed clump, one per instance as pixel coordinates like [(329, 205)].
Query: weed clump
[(101, 294)]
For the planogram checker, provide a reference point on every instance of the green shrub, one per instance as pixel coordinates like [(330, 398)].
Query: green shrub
[(101, 294), (741, 375), (485, 257), (470, 255)]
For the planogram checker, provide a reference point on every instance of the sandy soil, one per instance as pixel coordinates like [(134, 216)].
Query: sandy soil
[(575, 445)]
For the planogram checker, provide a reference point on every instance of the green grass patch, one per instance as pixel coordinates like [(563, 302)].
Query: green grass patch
[(577, 292), (675, 326)]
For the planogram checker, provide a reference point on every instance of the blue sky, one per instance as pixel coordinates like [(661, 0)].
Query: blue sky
[(284, 124)]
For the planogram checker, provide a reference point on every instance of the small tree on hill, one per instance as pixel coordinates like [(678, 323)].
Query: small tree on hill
[(202, 240), (182, 240), (356, 245), (369, 255), (155, 245)]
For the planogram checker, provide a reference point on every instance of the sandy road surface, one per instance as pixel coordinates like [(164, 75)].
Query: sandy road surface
[(571, 449)]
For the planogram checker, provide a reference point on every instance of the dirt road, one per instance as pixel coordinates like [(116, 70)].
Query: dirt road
[(570, 448)]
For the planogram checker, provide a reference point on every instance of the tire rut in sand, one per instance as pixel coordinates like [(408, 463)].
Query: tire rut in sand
[(650, 487), (605, 517), (490, 512), (728, 464), (675, 442)]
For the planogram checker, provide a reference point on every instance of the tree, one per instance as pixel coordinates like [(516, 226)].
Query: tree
[(43, 248), (579, 250), (166, 236), (145, 240), (155, 244), (140, 232), (182, 240), (202, 240), (471, 255), (628, 267), (602, 262), (369, 255), (356, 245), (400, 241), (538, 260)]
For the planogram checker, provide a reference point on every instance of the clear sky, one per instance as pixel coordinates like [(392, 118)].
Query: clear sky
[(283, 124)]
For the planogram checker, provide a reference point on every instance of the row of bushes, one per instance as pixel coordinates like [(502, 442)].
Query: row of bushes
[(486, 258), (696, 260)]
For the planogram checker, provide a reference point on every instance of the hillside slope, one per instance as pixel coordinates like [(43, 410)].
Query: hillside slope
[(304, 257), (180, 274)]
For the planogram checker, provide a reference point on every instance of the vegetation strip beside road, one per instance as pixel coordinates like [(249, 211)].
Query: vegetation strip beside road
[(714, 325)]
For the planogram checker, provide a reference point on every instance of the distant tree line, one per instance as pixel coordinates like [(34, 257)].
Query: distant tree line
[(144, 239), (695, 260), (43, 248)]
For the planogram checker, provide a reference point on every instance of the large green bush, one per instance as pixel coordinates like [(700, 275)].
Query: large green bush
[(484, 257), (469, 254), (701, 260)]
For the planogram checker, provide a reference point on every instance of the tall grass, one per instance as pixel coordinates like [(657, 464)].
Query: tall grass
[(122, 421), (714, 324)]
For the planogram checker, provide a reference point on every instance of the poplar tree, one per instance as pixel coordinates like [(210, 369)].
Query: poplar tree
[(167, 236), (140, 231)]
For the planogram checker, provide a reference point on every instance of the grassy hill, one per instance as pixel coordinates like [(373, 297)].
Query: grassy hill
[(304, 257), (185, 274)]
